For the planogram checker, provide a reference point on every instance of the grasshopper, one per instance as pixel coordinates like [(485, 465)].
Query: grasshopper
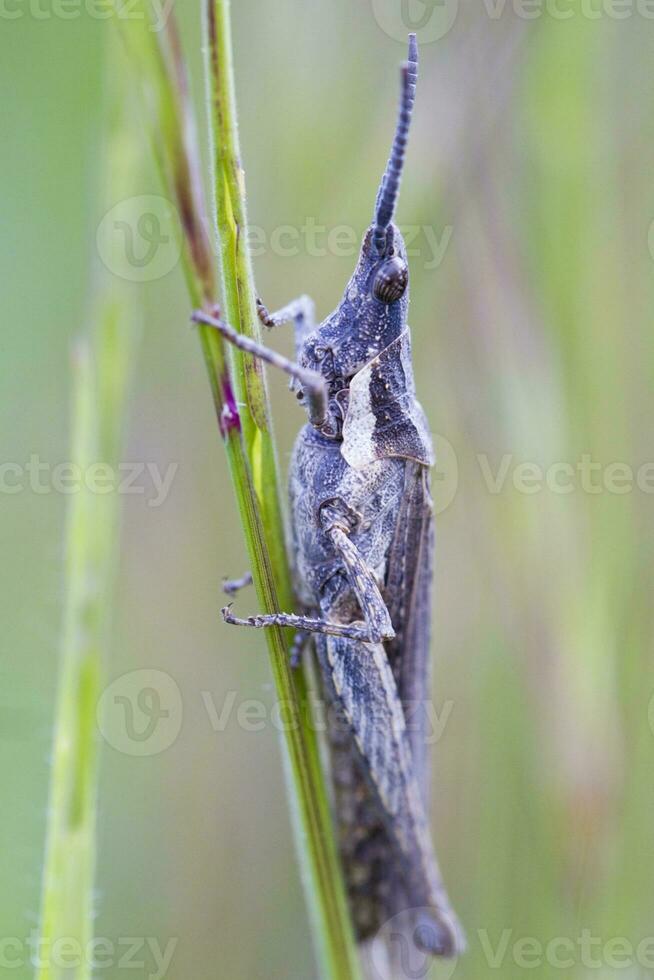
[(362, 520)]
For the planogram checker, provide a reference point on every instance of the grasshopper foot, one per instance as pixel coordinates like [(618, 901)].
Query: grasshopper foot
[(233, 585)]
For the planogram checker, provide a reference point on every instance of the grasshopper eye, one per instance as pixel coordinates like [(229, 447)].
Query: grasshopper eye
[(390, 280)]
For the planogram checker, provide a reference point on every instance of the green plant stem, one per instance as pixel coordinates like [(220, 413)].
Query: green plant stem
[(247, 434), (263, 521), (101, 369), (70, 847)]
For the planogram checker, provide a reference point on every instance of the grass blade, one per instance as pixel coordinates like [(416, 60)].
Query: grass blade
[(101, 368), (246, 431)]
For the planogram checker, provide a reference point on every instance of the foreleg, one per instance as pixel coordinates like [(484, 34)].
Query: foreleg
[(313, 383)]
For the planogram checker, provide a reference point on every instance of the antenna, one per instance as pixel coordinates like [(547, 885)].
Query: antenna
[(390, 183)]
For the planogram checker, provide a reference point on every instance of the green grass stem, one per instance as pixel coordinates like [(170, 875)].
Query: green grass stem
[(236, 379)]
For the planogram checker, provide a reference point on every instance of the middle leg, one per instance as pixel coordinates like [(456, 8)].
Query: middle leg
[(300, 311)]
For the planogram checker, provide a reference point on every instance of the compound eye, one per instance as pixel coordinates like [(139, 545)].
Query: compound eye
[(390, 280)]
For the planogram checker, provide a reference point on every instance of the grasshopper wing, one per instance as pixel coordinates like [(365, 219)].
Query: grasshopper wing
[(379, 758), (387, 852), (408, 592)]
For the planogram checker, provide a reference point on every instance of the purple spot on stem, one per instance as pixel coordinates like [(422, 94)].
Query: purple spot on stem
[(229, 417)]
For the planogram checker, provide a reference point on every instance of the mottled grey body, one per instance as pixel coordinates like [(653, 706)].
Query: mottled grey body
[(363, 545), (378, 762)]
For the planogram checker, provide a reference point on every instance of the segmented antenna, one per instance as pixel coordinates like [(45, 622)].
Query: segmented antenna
[(390, 183)]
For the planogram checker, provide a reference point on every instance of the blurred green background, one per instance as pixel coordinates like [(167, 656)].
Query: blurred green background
[(530, 165)]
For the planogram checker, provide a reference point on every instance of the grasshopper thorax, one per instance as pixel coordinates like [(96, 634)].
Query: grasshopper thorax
[(363, 352)]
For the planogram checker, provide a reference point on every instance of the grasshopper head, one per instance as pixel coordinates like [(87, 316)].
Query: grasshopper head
[(373, 310)]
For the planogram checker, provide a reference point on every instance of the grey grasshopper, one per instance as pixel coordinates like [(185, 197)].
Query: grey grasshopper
[(363, 540)]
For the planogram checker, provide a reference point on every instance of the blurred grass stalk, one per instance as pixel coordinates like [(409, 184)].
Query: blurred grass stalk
[(102, 361), (241, 403)]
